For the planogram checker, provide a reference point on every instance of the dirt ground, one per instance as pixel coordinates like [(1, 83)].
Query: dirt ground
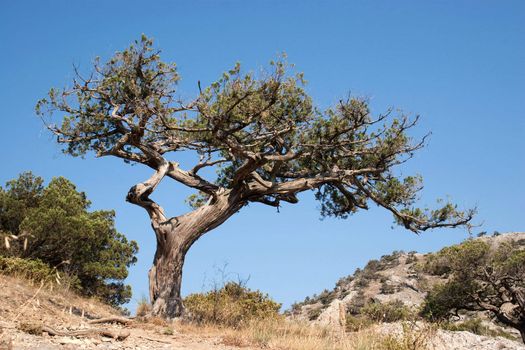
[(23, 305)]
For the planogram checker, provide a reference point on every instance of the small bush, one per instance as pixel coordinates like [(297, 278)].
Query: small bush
[(390, 260), (476, 326), (357, 323), (233, 305), (411, 258), (388, 288), (342, 282), (326, 297), (355, 305), (386, 312), (36, 271), (372, 266), (436, 265), (413, 338), (167, 331), (314, 313)]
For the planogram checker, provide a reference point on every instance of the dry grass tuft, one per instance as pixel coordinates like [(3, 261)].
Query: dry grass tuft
[(292, 335), (143, 307)]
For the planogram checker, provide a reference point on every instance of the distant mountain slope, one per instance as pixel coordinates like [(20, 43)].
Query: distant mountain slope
[(396, 278)]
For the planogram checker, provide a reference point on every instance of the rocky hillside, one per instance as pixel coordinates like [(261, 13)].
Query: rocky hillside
[(399, 280)]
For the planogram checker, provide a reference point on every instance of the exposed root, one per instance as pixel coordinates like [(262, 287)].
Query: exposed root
[(38, 329), (154, 339), (115, 319)]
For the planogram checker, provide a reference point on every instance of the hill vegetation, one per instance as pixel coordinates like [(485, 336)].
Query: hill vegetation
[(41, 228), (475, 286)]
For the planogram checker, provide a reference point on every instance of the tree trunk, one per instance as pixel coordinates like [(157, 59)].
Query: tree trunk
[(174, 238), (522, 332), (165, 278)]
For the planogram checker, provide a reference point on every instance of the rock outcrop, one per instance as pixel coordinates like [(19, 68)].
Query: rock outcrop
[(398, 277)]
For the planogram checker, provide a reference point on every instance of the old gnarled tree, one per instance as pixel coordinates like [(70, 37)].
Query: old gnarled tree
[(263, 135)]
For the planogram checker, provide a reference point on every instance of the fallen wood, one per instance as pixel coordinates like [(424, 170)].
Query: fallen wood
[(154, 339), (113, 319), (38, 329)]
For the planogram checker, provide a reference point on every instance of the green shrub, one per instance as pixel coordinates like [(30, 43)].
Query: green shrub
[(356, 323), (388, 288), (436, 265), (357, 302), (314, 313), (374, 312), (233, 305), (342, 282), (37, 271), (372, 266), (386, 312), (411, 258), (443, 299), (390, 260), (326, 297), (476, 326)]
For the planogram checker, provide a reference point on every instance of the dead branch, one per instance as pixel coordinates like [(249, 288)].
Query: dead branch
[(113, 319), (154, 339), (38, 329)]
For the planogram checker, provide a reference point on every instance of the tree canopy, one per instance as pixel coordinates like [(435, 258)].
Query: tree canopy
[(261, 132), (52, 224)]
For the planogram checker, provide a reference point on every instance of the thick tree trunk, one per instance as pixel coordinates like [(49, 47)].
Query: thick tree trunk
[(165, 280), (174, 238)]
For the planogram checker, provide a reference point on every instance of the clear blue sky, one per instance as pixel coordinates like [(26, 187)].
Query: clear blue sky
[(460, 64)]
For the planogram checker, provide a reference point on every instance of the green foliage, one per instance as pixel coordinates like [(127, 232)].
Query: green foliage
[(365, 315), (481, 277), (444, 299), (168, 331), (460, 259), (411, 258), (36, 271), (53, 225), (357, 303), (233, 305), (326, 297), (476, 326), (388, 288), (386, 312), (314, 313), (357, 323), (252, 128)]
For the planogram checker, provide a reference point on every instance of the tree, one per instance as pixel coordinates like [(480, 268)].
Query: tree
[(262, 134), (481, 278), (47, 223)]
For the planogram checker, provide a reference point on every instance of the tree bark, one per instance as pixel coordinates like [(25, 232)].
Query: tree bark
[(174, 238)]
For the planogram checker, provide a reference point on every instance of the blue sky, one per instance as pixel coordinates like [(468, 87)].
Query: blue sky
[(459, 64)]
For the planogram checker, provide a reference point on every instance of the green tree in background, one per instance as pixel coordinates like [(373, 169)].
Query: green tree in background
[(53, 224), (482, 277)]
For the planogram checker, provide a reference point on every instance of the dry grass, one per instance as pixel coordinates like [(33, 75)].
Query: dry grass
[(289, 335), (60, 307), (143, 307), (24, 299)]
